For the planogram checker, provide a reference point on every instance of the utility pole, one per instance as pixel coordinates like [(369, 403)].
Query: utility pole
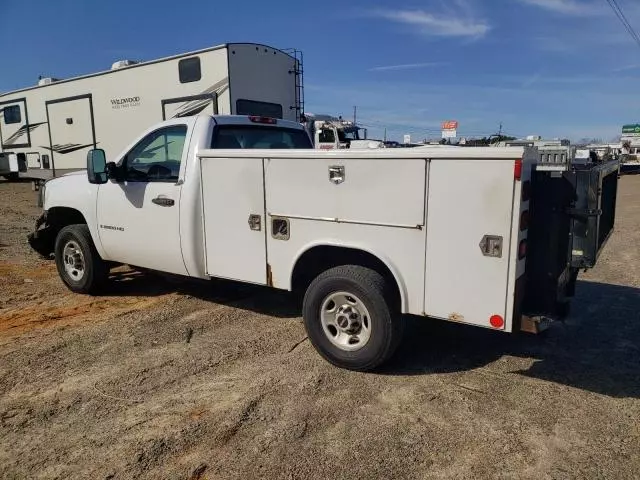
[(385, 134), (500, 130), (354, 114)]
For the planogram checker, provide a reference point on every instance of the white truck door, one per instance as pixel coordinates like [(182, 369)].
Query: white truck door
[(234, 218), (139, 217), (468, 200)]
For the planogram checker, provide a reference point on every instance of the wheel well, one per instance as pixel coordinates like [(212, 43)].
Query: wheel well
[(60, 217), (321, 258)]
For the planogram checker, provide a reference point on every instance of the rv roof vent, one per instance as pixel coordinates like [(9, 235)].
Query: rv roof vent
[(122, 63), (46, 80)]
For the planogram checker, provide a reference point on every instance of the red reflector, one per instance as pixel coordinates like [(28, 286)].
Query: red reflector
[(517, 170), (522, 249), (496, 321), (524, 220), (526, 191), (258, 119)]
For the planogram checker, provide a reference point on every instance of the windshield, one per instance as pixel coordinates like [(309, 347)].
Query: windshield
[(254, 136), (326, 135), (348, 136)]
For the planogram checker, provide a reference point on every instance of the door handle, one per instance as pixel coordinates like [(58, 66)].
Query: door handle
[(164, 201)]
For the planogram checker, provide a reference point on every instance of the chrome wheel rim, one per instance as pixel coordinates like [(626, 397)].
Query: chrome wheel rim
[(345, 321), (73, 260)]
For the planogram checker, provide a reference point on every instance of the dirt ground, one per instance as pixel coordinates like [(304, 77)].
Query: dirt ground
[(216, 380)]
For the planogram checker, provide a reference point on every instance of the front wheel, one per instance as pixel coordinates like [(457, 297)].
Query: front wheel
[(79, 264), (349, 318)]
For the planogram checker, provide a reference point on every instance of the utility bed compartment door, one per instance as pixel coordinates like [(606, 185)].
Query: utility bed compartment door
[(468, 199), (233, 215), (370, 191)]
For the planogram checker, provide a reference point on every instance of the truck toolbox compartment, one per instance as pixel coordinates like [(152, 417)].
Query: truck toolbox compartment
[(384, 191)]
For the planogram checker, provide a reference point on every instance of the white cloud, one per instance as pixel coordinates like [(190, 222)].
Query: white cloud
[(626, 68), (531, 80), (567, 7), (404, 66), (460, 23)]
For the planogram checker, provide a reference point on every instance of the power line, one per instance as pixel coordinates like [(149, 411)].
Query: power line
[(623, 19)]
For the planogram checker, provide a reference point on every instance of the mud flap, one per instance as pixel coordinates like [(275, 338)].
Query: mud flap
[(42, 240)]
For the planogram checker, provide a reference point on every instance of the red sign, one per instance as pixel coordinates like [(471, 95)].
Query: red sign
[(450, 125)]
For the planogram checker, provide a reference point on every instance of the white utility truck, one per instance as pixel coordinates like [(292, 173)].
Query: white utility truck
[(469, 235), (48, 128)]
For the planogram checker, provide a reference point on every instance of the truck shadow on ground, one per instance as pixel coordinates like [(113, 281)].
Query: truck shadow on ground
[(596, 349), (245, 296)]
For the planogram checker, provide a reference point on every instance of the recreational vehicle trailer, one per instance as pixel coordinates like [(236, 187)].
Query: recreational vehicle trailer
[(49, 127)]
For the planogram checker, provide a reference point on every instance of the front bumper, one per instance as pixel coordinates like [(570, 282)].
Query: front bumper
[(43, 238)]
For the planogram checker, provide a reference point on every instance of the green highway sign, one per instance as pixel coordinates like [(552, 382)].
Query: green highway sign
[(634, 128)]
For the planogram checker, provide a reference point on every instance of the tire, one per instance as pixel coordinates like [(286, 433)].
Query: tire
[(13, 177), (360, 291), (74, 244)]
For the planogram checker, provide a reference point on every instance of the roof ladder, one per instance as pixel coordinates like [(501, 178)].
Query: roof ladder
[(298, 71)]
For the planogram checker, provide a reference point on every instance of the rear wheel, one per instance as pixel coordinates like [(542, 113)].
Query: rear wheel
[(79, 264), (349, 318)]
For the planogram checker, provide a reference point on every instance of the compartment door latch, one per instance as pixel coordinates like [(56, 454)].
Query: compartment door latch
[(255, 222), (336, 174), (491, 246)]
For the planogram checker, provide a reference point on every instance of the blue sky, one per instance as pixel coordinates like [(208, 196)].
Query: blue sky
[(550, 67)]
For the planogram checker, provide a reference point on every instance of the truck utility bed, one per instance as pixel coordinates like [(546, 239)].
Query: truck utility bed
[(430, 214), (425, 213)]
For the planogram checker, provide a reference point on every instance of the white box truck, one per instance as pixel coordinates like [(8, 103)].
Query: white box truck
[(50, 127), (468, 235)]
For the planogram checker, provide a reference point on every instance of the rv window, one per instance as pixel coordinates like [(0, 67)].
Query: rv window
[(248, 136), (264, 109), (189, 70), (12, 114), (157, 156)]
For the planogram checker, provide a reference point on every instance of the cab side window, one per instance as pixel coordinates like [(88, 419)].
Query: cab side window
[(156, 158)]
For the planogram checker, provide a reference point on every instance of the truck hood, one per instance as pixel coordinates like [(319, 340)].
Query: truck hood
[(71, 190), (77, 172)]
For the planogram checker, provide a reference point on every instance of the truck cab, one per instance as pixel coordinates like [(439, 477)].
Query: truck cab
[(149, 190)]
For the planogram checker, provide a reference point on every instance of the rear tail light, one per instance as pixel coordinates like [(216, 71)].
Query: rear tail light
[(517, 170), (526, 191), (524, 220), (259, 119), (496, 321), (522, 249)]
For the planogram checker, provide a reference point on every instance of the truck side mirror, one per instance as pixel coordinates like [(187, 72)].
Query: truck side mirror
[(97, 166)]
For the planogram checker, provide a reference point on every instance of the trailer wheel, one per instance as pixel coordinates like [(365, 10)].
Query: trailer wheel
[(349, 319), (79, 264)]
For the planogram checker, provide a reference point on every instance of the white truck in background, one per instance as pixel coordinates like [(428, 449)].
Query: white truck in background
[(334, 133), (468, 235), (48, 128)]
